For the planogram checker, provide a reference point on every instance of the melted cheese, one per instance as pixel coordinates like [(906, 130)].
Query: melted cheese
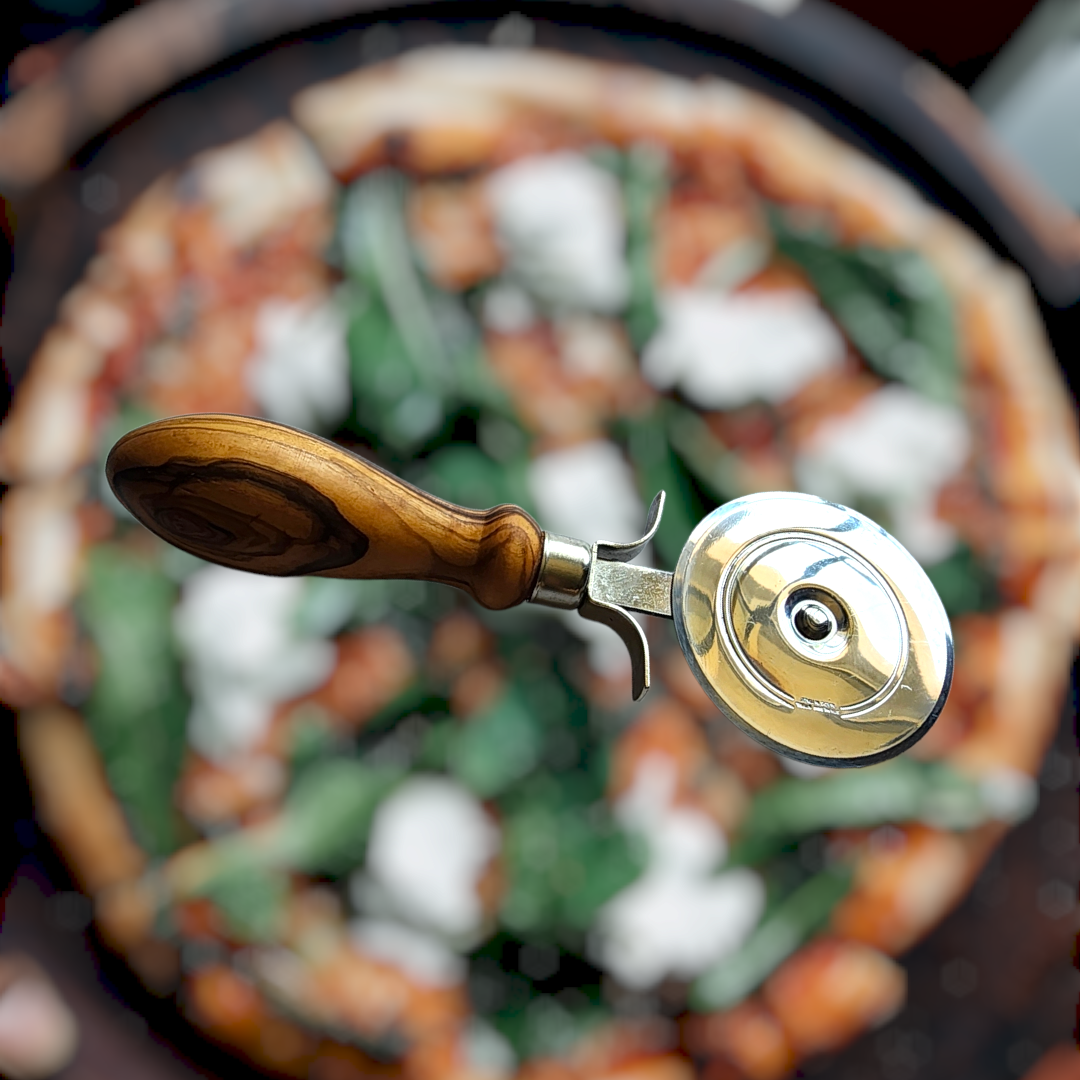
[(896, 447), (559, 220), (723, 350), (667, 925), (243, 655), (300, 371), (1008, 794), (430, 842), (680, 839), (42, 545), (680, 917), (588, 492)]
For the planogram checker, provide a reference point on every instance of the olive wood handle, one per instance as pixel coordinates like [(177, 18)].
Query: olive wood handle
[(262, 497)]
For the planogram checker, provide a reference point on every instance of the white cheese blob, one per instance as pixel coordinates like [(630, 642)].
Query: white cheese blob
[(559, 220), (488, 1054), (424, 958), (897, 447), (665, 925), (430, 842), (50, 430), (243, 655), (55, 431), (42, 545), (588, 492), (679, 838), (299, 374), (723, 350), (680, 917), (1009, 795)]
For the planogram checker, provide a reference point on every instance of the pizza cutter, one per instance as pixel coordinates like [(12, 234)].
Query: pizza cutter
[(807, 624)]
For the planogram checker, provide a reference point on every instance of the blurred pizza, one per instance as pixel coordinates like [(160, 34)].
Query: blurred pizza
[(369, 826)]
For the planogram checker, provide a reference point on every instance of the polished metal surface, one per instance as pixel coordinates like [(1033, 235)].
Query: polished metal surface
[(623, 553), (633, 637), (600, 582), (564, 572), (807, 624), (636, 588), (812, 629), (617, 588)]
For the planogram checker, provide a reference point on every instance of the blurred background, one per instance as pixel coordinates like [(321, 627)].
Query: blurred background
[(992, 991)]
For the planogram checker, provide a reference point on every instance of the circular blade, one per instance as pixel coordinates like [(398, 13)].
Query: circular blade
[(812, 629)]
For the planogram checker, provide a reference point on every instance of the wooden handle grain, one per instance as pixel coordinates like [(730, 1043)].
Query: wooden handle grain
[(262, 497)]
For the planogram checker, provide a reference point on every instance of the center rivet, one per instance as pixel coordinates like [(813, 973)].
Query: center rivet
[(813, 621)]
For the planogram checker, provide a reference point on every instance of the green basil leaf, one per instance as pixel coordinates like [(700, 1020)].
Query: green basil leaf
[(324, 824), (776, 937), (416, 353), (250, 898), (462, 473), (491, 751), (710, 463), (138, 708), (964, 583), (565, 859), (645, 185), (659, 469), (890, 302), (898, 791)]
